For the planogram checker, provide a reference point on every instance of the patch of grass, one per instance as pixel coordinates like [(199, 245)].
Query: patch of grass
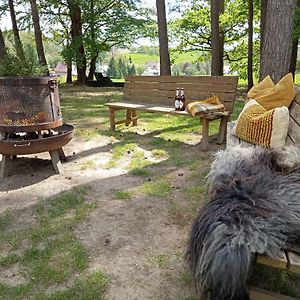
[(137, 163), (110, 164), (123, 195), (276, 280), (166, 260), (159, 153), (49, 253), (89, 164), (186, 278), (5, 219), (160, 187), (120, 150), (90, 287)]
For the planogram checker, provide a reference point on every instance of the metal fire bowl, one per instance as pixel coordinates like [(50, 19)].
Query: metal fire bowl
[(31, 128), (44, 144)]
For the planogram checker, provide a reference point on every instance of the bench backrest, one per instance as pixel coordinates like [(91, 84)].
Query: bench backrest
[(293, 137), (161, 89)]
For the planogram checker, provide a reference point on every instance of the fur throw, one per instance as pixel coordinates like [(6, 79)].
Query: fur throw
[(253, 207)]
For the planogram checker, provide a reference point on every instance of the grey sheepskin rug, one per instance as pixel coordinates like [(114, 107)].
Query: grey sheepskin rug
[(253, 207)]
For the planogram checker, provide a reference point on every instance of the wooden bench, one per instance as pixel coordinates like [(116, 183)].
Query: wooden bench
[(156, 94), (287, 259)]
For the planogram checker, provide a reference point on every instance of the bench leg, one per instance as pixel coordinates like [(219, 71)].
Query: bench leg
[(4, 166), (112, 119), (128, 116), (134, 117), (205, 133), (222, 130)]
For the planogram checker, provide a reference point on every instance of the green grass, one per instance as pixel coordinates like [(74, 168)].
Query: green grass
[(140, 59), (123, 195), (48, 253), (160, 187)]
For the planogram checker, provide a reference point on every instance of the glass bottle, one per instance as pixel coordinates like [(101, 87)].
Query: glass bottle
[(177, 99), (182, 100)]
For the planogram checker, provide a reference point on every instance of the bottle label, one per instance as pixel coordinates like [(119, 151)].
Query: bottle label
[(177, 104), (180, 104)]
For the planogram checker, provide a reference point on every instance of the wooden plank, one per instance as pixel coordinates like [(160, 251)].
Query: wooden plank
[(294, 130), (212, 87), (260, 294), (289, 141), (125, 105), (297, 96), (293, 262), (185, 79), (295, 110), (162, 98), (280, 261)]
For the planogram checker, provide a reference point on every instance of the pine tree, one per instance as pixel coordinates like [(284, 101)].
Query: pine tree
[(112, 68)]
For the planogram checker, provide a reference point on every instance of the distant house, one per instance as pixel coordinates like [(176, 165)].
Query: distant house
[(151, 68), (61, 69)]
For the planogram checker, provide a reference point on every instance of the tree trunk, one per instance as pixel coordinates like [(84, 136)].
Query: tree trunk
[(250, 45), (277, 45), (92, 67), (295, 44), (38, 34), (69, 73), (217, 38), (93, 38), (2, 46), (18, 43), (76, 32), (165, 64), (263, 16)]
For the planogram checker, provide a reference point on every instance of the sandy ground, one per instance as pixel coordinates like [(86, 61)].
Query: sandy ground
[(124, 238)]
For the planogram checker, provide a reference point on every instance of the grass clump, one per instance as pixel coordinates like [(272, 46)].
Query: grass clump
[(123, 195), (49, 253), (161, 187)]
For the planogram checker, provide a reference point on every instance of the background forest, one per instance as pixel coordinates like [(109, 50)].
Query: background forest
[(203, 37)]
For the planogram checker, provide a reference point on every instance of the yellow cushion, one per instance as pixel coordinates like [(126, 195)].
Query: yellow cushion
[(263, 127), (271, 96), (210, 104)]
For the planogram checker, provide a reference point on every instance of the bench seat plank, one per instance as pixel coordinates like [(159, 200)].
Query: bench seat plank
[(294, 262), (280, 261), (259, 294)]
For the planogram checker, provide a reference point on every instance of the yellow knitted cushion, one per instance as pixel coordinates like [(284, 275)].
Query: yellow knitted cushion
[(271, 96), (263, 127), (210, 104)]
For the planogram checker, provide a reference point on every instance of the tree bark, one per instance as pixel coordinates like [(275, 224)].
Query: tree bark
[(92, 67), (69, 73), (76, 32), (38, 34), (250, 45), (217, 38), (18, 43), (165, 64), (277, 45), (295, 45), (92, 30), (2, 46), (263, 16)]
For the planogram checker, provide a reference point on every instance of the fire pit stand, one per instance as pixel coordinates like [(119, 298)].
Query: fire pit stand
[(31, 120)]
